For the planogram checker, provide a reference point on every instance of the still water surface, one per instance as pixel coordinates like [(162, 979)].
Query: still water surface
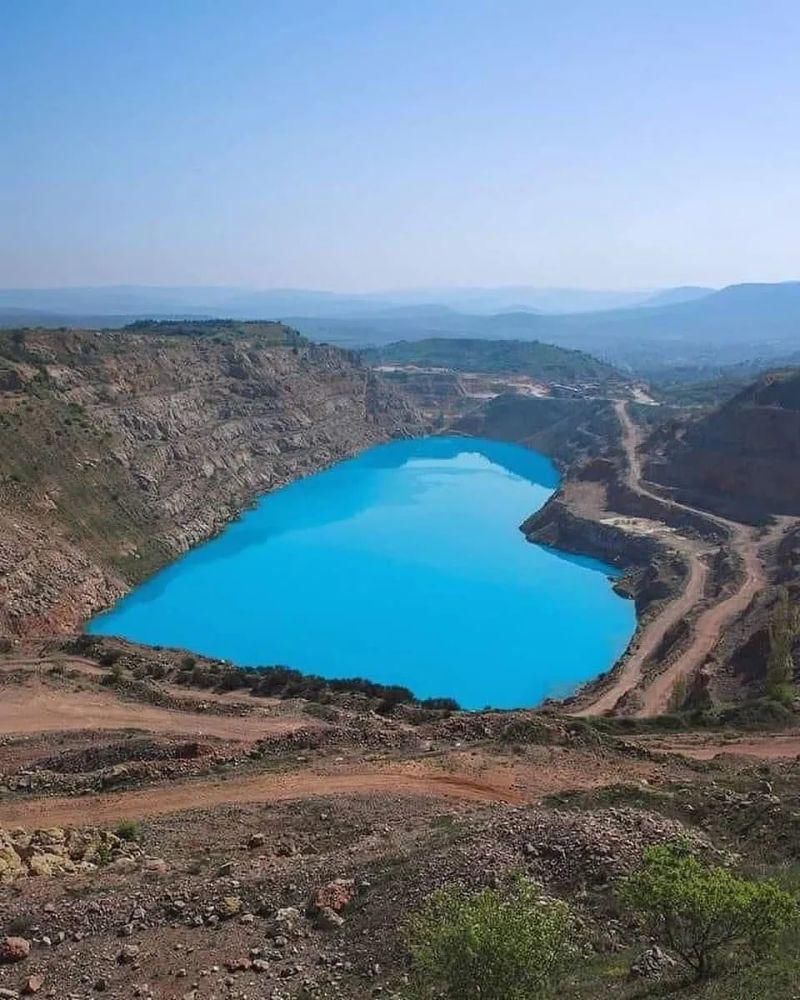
[(404, 565)]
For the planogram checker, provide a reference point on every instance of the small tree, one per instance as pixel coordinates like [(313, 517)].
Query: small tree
[(703, 911), (783, 630), (493, 945)]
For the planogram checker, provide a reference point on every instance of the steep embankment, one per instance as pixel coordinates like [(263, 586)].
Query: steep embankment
[(693, 574), (742, 459), (742, 541), (568, 430), (120, 450)]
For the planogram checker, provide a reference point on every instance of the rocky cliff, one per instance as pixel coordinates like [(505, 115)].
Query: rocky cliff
[(118, 451), (565, 429), (741, 460)]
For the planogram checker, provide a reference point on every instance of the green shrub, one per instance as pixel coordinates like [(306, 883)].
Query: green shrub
[(498, 944), (114, 677), (129, 829), (705, 912), (783, 631)]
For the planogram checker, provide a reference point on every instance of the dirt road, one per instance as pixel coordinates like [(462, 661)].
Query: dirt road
[(774, 746), (712, 622), (464, 776), (35, 707), (105, 809), (743, 540)]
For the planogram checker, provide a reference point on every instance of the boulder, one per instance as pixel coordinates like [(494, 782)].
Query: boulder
[(328, 919), (286, 922), (14, 949), (334, 896), (651, 964), (50, 864), (11, 865), (128, 954), (229, 906)]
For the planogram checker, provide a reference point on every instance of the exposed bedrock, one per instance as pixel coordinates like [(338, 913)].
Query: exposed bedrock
[(567, 430), (651, 572), (742, 460), (119, 451)]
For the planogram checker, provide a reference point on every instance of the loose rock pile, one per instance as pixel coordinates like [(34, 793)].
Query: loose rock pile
[(60, 852)]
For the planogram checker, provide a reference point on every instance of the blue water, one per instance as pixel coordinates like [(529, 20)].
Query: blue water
[(404, 565)]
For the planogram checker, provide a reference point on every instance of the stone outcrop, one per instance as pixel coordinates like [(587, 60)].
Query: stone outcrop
[(565, 429), (119, 451), (741, 460), (59, 852)]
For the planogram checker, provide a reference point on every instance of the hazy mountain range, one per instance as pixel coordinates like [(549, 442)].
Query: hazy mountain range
[(245, 303), (644, 331), (738, 323)]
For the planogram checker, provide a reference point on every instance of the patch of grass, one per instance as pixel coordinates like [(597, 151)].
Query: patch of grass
[(129, 830), (756, 714)]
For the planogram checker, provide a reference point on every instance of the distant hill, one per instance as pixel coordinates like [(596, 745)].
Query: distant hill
[(654, 332), (742, 459), (265, 332), (672, 296), (272, 303), (11, 319), (544, 361), (738, 323)]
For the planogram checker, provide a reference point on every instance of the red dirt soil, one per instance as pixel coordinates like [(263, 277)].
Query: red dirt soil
[(35, 708)]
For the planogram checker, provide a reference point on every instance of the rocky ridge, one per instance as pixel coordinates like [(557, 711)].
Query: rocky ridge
[(121, 450), (741, 459)]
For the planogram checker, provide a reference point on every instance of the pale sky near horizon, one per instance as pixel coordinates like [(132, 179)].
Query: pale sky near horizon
[(369, 144)]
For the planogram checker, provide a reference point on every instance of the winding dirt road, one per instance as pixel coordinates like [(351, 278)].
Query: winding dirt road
[(35, 706), (743, 540), (111, 808), (471, 777)]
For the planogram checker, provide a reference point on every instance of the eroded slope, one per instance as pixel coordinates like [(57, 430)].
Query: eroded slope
[(120, 450)]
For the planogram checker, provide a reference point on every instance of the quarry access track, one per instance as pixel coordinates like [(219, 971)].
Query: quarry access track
[(745, 541)]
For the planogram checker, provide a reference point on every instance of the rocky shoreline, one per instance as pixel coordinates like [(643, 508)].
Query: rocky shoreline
[(147, 445)]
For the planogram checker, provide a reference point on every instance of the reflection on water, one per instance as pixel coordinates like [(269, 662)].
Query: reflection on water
[(404, 565)]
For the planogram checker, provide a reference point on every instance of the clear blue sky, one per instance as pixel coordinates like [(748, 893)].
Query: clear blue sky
[(369, 144)]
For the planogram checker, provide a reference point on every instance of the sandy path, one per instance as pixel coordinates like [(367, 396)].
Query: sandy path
[(467, 776), (631, 672), (35, 708), (710, 623), (776, 746), (104, 809), (45, 663)]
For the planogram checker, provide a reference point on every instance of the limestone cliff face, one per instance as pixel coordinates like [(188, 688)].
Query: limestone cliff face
[(743, 459), (119, 451), (567, 430)]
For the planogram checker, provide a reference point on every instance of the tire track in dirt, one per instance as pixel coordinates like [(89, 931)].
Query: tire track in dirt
[(110, 808), (34, 707), (775, 746), (710, 623)]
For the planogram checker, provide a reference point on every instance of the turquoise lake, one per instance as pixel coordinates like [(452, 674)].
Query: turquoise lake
[(404, 565)]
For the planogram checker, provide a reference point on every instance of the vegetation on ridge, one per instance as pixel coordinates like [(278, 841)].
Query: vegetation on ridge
[(519, 357)]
